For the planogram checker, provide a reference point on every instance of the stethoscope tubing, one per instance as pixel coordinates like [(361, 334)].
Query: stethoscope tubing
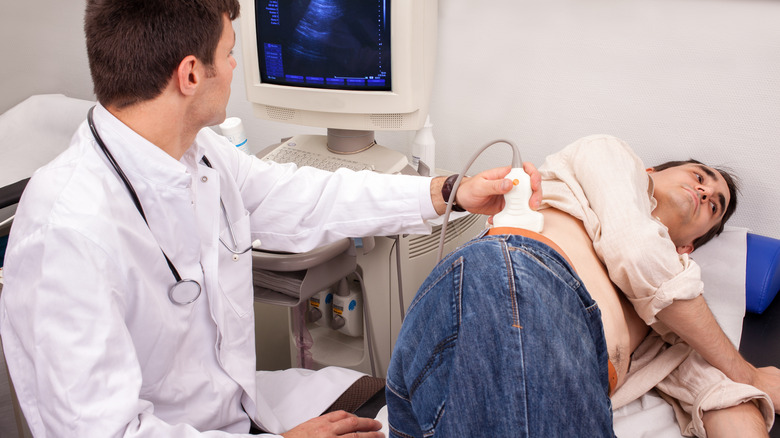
[(139, 207), (234, 249)]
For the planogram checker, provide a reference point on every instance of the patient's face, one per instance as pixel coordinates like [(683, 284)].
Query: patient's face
[(692, 199)]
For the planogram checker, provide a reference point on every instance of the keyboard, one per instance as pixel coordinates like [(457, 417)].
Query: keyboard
[(312, 150), (287, 154)]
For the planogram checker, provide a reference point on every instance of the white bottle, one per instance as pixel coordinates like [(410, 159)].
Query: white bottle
[(424, 150), (233, 129)]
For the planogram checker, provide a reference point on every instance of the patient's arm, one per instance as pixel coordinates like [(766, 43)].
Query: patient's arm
[(641, 258), (767, 379), (693, 321), (743, 420)]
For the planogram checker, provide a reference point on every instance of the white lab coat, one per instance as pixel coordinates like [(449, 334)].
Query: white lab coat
[(94, 345)]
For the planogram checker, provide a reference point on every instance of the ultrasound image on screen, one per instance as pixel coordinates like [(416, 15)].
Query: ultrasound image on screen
[(343, 44)]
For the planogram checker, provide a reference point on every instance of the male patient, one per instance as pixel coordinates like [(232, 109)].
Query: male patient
[(528, 334)]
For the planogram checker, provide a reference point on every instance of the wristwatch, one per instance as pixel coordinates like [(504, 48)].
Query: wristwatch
[(446, 190)]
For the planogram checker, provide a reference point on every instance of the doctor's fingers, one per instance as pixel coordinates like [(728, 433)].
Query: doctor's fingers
[(336, 424), (536, 185), (351, 426)]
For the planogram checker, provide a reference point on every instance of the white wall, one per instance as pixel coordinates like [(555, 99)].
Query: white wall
[(42, 50), (674, 78)]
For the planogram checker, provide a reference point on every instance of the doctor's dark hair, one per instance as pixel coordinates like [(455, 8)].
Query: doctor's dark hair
[(135, 46), (731, 182)]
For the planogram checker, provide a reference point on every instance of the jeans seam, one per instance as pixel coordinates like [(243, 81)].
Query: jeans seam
[(512, 286), (438, 417), (440, 347), (390, 387), (502, 240), (436, 423), (399, 433), (423, 292), (543, 263), (516, 317), (459, 283)]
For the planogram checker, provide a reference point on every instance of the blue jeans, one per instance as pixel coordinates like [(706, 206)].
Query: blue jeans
[(501, 340)]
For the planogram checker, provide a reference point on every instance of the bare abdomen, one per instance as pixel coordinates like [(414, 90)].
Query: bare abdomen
[(623, 328)]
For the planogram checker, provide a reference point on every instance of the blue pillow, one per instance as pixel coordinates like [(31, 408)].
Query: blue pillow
[(762, 276)]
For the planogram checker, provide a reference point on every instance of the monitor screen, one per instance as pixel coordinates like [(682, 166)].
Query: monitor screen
[(336, 44), (342, 64)]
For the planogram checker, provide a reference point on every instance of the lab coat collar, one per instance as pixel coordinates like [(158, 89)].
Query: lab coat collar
[(137, 156), (194, 154)]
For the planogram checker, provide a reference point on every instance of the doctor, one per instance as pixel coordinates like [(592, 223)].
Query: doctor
[(127, 309)]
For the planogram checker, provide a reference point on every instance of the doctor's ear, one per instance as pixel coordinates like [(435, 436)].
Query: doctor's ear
[(187, 75)]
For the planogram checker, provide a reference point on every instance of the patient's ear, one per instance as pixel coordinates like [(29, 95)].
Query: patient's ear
[(650, 170), (685, 249)]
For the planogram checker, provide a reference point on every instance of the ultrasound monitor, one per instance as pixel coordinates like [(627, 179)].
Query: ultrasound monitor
[(325, 45), (351, 66)]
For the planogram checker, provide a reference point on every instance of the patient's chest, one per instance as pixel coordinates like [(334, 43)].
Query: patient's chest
[(623, 328)]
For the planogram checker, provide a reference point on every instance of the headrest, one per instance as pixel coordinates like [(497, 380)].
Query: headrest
[(762, 279)]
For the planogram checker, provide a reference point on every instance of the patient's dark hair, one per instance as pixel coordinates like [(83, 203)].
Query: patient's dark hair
[(733, 184), (135, 46)]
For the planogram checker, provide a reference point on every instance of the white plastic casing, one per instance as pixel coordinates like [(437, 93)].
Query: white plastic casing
[(516, 212), (322, 301), (348, 310), (424, 148)]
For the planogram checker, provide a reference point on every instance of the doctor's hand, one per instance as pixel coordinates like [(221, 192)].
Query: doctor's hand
[(484, 192), (337, 424)]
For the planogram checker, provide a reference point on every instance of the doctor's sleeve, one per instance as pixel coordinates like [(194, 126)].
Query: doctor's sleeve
[(67, 347), (298, 209)]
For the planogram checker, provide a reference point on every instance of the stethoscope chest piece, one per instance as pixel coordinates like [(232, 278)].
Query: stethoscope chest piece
[(184, 292)]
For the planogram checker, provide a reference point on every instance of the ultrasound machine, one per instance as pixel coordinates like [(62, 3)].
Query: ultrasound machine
[(352, 67)]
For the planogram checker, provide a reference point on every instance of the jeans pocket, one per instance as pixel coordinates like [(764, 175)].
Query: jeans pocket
[(426, 393), (420, 374)]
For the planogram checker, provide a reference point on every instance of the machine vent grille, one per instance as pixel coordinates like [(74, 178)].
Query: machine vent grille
[(421, 245), (276, 113), (387, 121)]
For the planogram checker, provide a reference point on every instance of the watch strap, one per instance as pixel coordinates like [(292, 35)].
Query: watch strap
[(446, 191)]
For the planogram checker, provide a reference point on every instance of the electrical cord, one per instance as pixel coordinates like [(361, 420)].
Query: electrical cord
[(367, 317), (517, 162), (398, 274)]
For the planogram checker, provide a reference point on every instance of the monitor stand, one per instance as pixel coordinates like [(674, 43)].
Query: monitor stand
[(349, 141)]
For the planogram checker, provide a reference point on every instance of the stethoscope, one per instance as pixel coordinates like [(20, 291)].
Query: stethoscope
[(184, 291)]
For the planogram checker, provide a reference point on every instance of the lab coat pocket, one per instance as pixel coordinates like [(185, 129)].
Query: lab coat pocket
[(235, 270)]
